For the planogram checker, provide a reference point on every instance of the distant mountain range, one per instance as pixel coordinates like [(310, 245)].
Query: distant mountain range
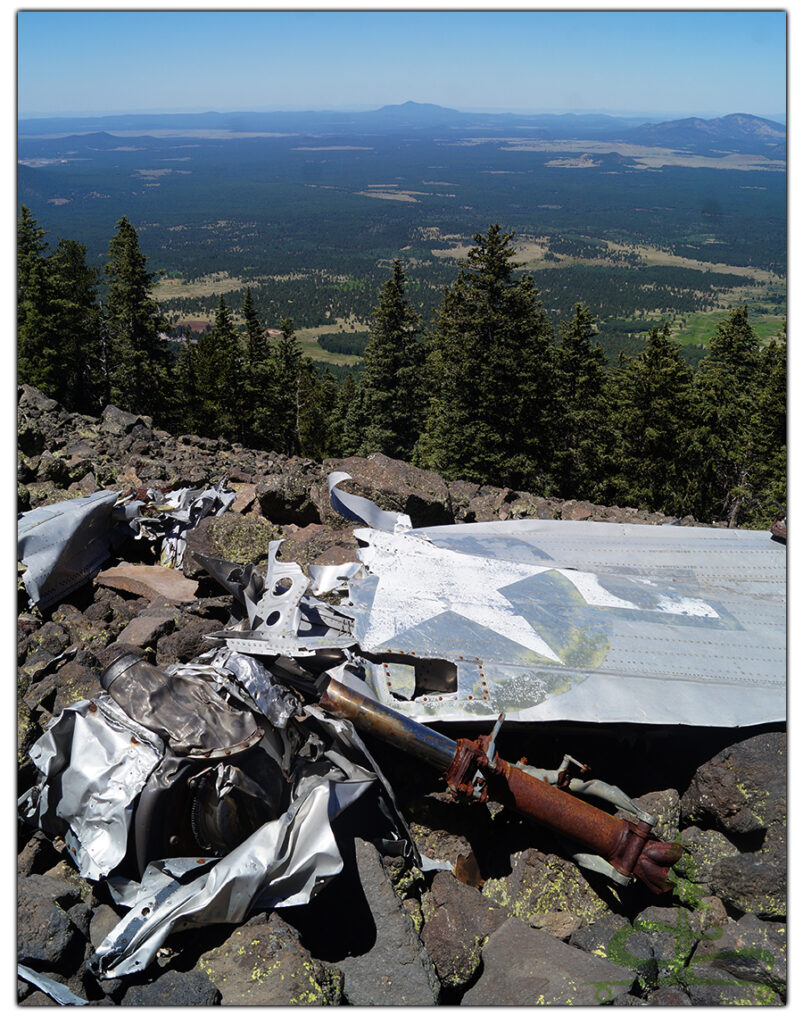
[(735, 133), (742, 132)]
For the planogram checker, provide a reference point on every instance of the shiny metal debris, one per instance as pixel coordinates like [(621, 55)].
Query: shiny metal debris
[(94, 761), (205, 792), (65, 544), (580, 621), (196, 808), (55, 989)]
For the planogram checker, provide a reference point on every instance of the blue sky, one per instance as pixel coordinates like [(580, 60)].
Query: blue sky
[(642, 62)]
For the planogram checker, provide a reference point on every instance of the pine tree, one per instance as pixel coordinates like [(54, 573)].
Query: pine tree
[(348, 416), (285, 369), (392, 400), (259, 399), (217, 372), (139, 357), (186, 412), (649, 400), (38, 359), (490, 371), (768, 437), (581, 418), (724, 404), (256, 349), (76, 328), (233, 412), (317, 405)]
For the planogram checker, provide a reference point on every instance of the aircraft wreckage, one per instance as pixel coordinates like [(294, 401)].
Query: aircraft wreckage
[(205, 792)]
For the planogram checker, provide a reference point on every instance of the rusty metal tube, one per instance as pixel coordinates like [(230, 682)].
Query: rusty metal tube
[(629, 847), (558, 810), (402, 732)]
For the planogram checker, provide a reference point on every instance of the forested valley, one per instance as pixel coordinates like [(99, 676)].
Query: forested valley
[(486, 390)]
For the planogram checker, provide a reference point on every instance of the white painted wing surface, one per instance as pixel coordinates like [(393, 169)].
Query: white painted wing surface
[(591, 622)]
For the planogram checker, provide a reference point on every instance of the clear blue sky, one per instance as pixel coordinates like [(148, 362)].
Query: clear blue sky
[(644, 62)]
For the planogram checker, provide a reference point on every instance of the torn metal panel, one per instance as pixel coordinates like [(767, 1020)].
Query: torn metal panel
[(281, 618), (548, 620), (282, 864), (64, 544), (275, 702), (188, 506), (94, 761), (326, 578), (168, 517)]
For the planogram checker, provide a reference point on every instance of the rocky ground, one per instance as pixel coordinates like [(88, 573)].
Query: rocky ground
[(516, 922)]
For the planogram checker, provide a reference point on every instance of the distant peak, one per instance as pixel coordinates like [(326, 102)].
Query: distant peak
[(411, 107)]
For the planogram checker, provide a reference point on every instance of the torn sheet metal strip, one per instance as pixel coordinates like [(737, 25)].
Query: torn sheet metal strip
[(95, 761), (361, 510), (281, 864), (64, 544), (58, 992)]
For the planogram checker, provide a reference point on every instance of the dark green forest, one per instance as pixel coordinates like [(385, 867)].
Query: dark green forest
[(486, 389), (311, 218)]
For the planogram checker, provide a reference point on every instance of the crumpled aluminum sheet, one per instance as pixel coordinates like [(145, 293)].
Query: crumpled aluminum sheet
[(590, 622), (283, 864), (275, 702), (65, 544), (95, 761), (186, 508), (97, 764)]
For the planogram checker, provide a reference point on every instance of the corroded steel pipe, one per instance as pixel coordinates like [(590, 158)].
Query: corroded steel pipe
[(627, 846)]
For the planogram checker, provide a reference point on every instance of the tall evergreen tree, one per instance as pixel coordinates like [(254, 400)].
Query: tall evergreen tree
[(392, 400), (256, 350), (724, 403), (139, 356), (186, 411), (490, 370), (581, 419), (285, 370), (259, 399), (349, 416), (216, 361), (76, 328), (649, 400), (317, 405), (38, 360), (768, 437)]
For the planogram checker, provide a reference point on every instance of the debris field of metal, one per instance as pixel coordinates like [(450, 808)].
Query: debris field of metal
[(205, 792)]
